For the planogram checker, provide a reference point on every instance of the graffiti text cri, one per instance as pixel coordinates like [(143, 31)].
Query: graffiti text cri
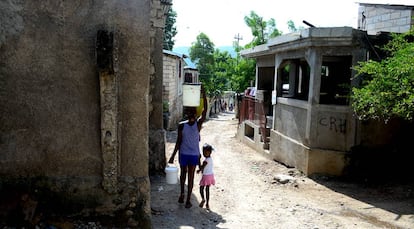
[(334, 124)]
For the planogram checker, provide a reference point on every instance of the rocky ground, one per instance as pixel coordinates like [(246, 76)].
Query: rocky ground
[(252, 191)]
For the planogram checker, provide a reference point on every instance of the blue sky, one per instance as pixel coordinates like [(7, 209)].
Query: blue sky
[(222, 20)]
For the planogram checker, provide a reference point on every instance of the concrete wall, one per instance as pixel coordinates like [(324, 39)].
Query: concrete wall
[(50, 94), (334, 128), (173, 89), (290, 120), (288, 151), (375, 18), (157, 138)]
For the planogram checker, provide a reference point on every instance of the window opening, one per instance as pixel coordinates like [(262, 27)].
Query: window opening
[(293, 79), (335, 80)]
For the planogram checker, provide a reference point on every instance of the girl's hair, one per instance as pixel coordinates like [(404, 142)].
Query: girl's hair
[(207, 147)]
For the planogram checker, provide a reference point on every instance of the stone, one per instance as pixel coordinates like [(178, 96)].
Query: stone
[(284, 179)]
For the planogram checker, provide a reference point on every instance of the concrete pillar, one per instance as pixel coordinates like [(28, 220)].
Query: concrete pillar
[(313, 57), (292, 77)]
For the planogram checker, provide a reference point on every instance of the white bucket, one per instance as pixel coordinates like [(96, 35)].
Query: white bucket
[(171, 174), (191, 95)]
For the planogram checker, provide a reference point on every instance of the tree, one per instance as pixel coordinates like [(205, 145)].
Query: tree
[(292, 27), (202, 54), (261, 30), (388, 85), (223, 69), (243, 75), (245, 68), (271, 30), (170, 30)]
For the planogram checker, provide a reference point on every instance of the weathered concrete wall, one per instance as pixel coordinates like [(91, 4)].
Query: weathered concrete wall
[(288, 151), (249, 134), (50, 94), (375, 18), (290, 120), (157, 139), (334, 128)]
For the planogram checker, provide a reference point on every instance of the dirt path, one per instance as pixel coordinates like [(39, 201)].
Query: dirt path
[(247, 195)]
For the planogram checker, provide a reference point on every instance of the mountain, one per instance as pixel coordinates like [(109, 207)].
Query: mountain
[(186, 50)]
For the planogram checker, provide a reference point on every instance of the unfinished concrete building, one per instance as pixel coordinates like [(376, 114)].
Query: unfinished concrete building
[(300, 114), (298, 111)]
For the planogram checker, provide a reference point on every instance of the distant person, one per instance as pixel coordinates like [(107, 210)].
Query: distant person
[(188, 144), (208, 175)]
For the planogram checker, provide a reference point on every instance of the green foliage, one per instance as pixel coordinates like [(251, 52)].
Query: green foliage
[(292, 27), (202, 51), (165, 106), (261, 30), (202, 54), (388, 85), (271, 30), (219, 71), (243, 75), (170, 30)]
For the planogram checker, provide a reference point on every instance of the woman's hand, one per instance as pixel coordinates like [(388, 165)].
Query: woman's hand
[(171, 160)]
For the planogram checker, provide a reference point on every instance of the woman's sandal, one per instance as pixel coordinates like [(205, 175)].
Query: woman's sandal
[(188, 204), (181, 199)]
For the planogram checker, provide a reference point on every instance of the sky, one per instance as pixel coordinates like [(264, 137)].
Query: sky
[(223, 20)]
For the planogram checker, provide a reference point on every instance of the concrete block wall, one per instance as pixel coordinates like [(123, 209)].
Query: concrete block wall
[(171, 90), (375, 18), (170, 77)]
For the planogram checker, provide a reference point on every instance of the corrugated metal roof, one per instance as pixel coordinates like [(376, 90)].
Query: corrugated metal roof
[(189, 64), (168, 52)]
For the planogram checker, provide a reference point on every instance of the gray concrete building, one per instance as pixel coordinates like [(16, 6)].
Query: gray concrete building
[(299, 112)]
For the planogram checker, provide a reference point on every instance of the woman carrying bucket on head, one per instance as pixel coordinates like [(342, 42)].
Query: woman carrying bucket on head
[(188, 146)]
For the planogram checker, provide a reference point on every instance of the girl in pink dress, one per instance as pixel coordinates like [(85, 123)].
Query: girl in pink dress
[(208, 175)]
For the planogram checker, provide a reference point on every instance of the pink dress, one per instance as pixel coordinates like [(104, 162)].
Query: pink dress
[(208, 176)]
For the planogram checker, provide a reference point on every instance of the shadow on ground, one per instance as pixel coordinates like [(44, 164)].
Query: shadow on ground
[(391, 194), (168, 213)]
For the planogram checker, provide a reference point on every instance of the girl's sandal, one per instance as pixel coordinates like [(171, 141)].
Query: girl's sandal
[(202, 203)]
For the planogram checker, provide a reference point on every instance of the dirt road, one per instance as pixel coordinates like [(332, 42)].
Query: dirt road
[(248, 195)]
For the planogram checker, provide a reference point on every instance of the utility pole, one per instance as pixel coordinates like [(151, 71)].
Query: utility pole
[(237, 38)]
